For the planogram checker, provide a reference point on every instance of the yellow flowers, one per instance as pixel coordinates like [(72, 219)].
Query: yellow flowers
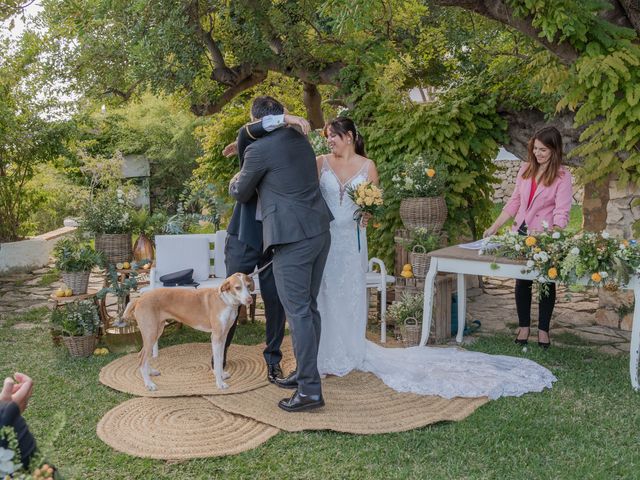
[(552, 273), (596, 277), (430, 172), (530, 241), (366, 195)]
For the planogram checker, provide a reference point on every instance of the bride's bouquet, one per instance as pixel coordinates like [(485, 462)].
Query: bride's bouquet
[(368, 198)]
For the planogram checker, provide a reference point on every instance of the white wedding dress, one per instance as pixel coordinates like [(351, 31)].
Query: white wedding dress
[(447, 372)]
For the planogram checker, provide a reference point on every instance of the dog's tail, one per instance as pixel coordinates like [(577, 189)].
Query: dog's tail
[(128, 312)]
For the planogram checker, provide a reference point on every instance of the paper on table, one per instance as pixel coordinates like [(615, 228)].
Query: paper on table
[(480, 245)]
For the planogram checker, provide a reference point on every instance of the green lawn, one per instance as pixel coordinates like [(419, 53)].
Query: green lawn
[(587, 426)]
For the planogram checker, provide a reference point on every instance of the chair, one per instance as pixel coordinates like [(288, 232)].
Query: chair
[(204, 252), (379, 281)]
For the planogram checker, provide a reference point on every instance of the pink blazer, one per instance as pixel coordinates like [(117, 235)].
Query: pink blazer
[(550, 204)]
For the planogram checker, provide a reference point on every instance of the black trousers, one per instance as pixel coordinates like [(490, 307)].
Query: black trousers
[(523, 300), (240, 257)]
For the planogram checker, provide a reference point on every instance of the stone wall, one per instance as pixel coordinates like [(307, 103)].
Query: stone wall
[(615, 309), (507, 173), (30, 253)]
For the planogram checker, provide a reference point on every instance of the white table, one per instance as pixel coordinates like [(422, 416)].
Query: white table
[(463, 262)]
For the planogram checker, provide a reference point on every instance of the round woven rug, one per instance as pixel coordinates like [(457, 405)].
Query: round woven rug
[(185, 370), (179, 428), (356, 403)]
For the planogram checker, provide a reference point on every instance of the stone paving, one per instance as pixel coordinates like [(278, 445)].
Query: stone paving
[(573, 322)]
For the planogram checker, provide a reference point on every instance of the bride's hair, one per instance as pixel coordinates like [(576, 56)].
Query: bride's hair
[(341, 126)]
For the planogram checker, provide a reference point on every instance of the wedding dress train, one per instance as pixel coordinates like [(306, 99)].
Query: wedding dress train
[(447, 372)]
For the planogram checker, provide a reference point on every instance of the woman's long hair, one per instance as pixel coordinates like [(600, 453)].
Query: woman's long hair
[(550, 137), (341, 126)]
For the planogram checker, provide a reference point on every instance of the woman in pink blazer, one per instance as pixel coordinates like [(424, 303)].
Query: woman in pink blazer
[(541, 198)]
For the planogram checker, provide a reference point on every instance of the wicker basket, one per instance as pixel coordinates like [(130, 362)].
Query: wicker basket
[(410, 332), (116, 247), (423, 212), (419, 262), (80, 346), (78, 282)]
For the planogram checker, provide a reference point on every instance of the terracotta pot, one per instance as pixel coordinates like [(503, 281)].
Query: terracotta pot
[(143, 248)]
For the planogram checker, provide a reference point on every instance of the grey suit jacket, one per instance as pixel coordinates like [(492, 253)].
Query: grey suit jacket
[(282, 167)]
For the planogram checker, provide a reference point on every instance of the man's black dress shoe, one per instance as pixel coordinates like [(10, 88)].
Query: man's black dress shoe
[(301, 403), (274, 373), (288, 382)]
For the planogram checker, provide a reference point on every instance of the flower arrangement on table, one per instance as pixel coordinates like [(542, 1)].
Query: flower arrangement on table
[(566, 258), (422, 177)]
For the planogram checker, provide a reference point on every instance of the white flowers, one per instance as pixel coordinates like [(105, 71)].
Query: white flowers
[(530, 263), (555, 235), (575, 251), (605, 235), (545, 224), (517, 247), (7, 467), (603, 274)]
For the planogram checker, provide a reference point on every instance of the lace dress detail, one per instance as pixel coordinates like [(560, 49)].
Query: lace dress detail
[(342, 302), (342, 297)]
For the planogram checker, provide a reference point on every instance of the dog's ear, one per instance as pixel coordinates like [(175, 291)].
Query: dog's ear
[(226, 286), (251, 285)]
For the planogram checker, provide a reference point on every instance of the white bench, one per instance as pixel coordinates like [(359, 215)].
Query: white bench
[(204, 252), (379, 281)]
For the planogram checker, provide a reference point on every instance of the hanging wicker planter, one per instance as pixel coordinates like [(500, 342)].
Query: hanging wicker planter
[(80, 346), (78, 282), (419, 261), (423, 212), (116, 247)]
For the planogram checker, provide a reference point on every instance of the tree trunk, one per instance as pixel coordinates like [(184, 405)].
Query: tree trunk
[(594, 206), (313, 103)]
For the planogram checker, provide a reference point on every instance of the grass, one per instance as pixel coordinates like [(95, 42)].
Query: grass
[(587, 426), (50, 277)]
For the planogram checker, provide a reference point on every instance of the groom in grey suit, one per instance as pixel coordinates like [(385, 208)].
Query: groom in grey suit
[(295, 222)]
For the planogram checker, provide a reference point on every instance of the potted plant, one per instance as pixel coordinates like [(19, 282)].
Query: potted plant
[(109, 217), (420, 185), (79, 323), (421, 242), (75, 259), (406, 314)]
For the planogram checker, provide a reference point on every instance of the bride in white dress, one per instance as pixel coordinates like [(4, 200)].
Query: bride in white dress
[(342, 302)]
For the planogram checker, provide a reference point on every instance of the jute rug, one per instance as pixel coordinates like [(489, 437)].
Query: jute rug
[(179, 428), (357, 403), (185, 370)]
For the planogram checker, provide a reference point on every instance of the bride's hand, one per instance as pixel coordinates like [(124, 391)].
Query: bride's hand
[(364, 220), (230, 149), (298, 122)]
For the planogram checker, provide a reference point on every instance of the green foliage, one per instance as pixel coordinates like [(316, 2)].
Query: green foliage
[(409, 305), (109, 211), (74, 255), (422, 237), (26, 137), (420, 177), (76, 318), (461, 128)]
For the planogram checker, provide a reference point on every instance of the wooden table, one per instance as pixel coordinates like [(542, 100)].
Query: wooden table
[(463, 262)]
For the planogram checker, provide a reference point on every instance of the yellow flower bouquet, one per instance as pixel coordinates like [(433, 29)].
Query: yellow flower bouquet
[(368, 197)]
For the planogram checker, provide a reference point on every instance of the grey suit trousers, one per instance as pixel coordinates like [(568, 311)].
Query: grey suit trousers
[(298, 269)]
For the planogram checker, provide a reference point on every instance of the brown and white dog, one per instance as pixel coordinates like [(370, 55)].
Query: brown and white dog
[(209, 310)]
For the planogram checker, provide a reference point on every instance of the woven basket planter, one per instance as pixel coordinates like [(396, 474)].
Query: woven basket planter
[(116, 247), (419, 262), (80, 346), (423, 212), (78, 282), (410, 332)]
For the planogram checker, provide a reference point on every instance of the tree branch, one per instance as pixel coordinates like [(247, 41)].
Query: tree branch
[(256, 77), (631, 10), (498, 10)]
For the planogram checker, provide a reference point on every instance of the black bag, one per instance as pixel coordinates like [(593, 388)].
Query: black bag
[(181, 278)]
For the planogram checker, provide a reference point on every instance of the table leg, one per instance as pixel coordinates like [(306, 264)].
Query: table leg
[(429, 282), (462, 307), (634, 352)]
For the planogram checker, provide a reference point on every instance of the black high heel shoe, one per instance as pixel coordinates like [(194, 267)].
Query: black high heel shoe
[(544, 345), (521, 341)]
